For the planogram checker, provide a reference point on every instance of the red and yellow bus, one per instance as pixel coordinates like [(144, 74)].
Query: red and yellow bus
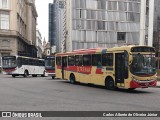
[(127, 67)]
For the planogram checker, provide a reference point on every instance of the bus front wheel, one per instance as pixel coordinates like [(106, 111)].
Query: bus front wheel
[(131, 89), (109, 83)]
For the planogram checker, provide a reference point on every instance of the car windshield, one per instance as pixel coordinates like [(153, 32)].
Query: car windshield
[(143, 64), (9, 62), (49, 63)]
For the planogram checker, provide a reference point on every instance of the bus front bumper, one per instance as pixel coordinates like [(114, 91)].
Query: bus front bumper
[(143, 84)]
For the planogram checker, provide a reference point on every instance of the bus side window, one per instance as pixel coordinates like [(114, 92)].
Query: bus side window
[(107, 59), (71, 61), (33, 62), (19, 63), (64, 63), (96, 60), (30, 61), (25, 61), (58, 61), (86, 60), (41, 63), (78, 60)]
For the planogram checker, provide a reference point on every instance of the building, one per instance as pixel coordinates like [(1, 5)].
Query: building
[(156, 28), (102, 23), (18, 27), (57, 25), (46, 48), (39, 44), (52, 23), (109, 23)]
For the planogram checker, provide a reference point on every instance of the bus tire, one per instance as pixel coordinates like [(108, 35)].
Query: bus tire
[(25, 73), (131, 89), (53, 77), (13, 76), (43, 75), (109, 83), (72, 79)]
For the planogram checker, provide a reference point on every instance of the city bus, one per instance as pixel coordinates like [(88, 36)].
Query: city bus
[(50, 66), (128, 67), (21, 65)]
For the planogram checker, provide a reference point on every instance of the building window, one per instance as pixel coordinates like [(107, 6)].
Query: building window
[(48, 52), (4, 21), (3, 4), (100, 25), (121, 36), (5, 43), (61, 4)]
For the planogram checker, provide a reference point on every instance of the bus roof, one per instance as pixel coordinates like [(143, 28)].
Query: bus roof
[(101, 50), (24, 57)]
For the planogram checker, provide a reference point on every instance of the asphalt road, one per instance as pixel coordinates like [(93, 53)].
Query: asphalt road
[(45, 94)]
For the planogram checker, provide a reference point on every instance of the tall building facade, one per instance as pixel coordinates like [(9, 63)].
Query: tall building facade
[(156, 28), (39, 44), (52, 23), (18, 27), (102, 23), (109, 23), (57, 25)]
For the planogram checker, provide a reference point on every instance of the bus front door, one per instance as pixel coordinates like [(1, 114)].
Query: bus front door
[(119, 68), (64, 65)]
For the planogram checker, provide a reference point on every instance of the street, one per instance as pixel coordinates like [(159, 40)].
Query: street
[(45, 94)]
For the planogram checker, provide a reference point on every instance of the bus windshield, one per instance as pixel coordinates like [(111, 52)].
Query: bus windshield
[(143, 64), (50, 63), (9, 62)]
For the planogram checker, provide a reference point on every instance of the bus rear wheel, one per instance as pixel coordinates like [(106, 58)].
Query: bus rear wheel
[(25, 73), (53, 77), (13, 76), (109, 83), (72, 79), (43, 75)]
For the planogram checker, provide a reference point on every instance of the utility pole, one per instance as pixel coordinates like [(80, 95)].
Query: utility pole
[(142, 22), (151, 23)]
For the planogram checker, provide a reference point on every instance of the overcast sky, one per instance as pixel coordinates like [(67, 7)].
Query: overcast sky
[(42, 20)]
